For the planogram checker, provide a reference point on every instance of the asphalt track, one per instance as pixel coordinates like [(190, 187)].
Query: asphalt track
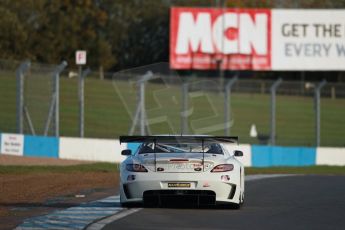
[(296, 202)]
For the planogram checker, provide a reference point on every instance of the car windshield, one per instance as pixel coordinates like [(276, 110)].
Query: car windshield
[(214, 148)]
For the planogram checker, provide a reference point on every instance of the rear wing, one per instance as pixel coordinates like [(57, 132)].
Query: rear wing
[(188, 139)]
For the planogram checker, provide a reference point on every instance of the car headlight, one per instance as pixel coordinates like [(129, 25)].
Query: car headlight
[(223, 168), (136, 168)]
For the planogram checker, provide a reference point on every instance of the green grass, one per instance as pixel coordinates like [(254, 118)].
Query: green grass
[(107, 115), (111, 167), (311, 170), (7, 102), (95, 167)]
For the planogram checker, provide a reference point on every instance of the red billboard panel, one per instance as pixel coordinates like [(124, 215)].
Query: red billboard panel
[(235, 39)]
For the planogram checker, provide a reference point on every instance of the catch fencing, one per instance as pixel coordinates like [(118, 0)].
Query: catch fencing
[(47, 100)]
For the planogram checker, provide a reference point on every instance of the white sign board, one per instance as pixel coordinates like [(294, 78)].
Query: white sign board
[(12, 144), (308, 39), (80, 57)]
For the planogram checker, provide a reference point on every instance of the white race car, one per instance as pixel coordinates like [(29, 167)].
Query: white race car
[(187, 169)]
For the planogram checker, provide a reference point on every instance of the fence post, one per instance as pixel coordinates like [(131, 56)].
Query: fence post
[(142, 106), (57, 72), (140, 113), (227, 105), (184, 112), (82, 74), (24, 66), (273, 110), (317, 110)]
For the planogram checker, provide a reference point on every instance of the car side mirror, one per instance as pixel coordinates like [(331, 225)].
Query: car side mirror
[(126, 152), (238, 153)]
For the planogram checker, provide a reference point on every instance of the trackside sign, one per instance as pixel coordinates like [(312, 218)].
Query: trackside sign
[(12, 144), (257, 39)]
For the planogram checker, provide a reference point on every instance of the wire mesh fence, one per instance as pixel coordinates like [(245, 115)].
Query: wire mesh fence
[(156, 100), (38, 93), (8, 95)]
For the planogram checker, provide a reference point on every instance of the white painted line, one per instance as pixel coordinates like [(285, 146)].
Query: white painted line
[(100, 224), (265, 176), (73, 214), (86, 208)]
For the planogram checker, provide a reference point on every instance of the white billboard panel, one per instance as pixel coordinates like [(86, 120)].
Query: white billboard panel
[(308, 39)]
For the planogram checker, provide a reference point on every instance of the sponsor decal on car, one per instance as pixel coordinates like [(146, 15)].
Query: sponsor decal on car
[(179, 185)]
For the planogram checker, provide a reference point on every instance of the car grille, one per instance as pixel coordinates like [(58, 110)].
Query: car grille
[(179, 197)]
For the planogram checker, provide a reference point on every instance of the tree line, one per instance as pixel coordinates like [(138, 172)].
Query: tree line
[(117, 34)]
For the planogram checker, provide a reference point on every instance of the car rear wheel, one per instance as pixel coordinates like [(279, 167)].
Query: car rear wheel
[(227, 205), (234, 206), (126, 205)]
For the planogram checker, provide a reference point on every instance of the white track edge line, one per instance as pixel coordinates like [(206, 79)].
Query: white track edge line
[(100, 224)]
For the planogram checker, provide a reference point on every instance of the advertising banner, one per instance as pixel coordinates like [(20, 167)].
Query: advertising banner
[(308, 39), (257, 39)]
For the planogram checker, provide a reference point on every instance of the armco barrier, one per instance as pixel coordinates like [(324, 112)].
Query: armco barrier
[(90, 149), (110, 151), (330, 156), (36, 146), (265, 156)]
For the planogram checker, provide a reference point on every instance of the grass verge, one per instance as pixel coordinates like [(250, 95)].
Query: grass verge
[(310, 170), (111, 167), (96, 167)]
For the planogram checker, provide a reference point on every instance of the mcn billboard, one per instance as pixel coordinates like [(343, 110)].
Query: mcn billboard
[(257, 39)]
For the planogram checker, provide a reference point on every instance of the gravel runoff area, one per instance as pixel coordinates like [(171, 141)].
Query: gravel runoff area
[(19, 160), (25, 195)]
